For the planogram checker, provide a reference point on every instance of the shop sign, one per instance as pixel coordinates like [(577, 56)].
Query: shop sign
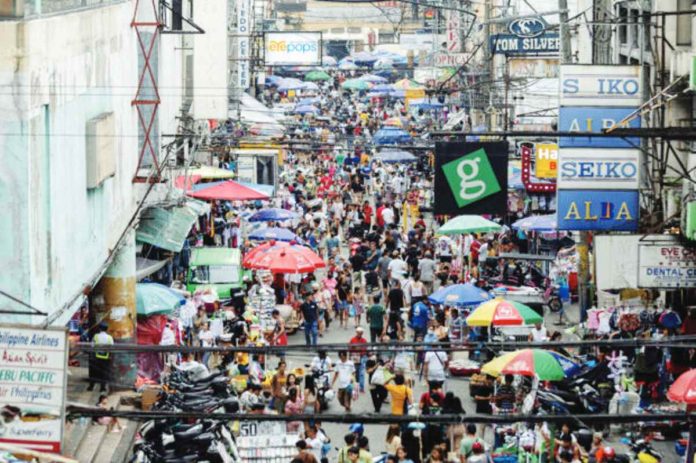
[(453, 26), (528, 150), (527, 27), (597, 210), (448, 60), (33, 379), (546, 160), (471, 178), (510, 44), (533, 68), (666, 265), (594, 119), (587, 85), (292, 48), (243, 43), (599, 169)]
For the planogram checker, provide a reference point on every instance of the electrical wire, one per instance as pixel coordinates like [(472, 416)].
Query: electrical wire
[(34, 310)]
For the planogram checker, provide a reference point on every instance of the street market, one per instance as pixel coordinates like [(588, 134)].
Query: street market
[(358, 252)]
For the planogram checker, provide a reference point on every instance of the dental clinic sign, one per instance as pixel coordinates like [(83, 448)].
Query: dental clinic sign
[(33, 366), (471, 178), (666, 265)]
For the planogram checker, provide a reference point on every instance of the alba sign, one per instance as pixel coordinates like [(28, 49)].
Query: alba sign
[(592, 169), (597, 210), (292, 48)]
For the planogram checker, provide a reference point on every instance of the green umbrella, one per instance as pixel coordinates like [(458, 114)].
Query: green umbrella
[(317, 75), (467, 224), (156, 299), (356, 84)]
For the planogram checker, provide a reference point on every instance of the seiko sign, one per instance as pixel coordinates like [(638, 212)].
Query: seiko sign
[(599, 169), (586, 85), (527, 27)]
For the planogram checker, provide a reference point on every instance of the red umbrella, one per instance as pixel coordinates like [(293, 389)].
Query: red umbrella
[(282, 257), (684, 388), (228, 191), (184, 183)]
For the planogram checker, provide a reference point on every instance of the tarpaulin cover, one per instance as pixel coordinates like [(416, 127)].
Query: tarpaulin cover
[(149, 332)]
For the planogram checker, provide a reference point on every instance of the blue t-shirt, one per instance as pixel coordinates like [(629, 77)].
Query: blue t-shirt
[(421, 314)]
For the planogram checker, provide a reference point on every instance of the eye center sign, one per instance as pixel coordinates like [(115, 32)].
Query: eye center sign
[(470, 178)]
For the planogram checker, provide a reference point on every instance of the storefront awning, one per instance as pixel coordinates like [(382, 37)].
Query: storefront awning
[(167, 228)]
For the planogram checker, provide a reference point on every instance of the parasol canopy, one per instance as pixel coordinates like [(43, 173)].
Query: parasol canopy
[(272, 214), (391, 136), (375, 79), (546, 365), (407, 84), (356, 84), (156, 299), (460, 294), (270, 233), (540, 223), (313, 76), (500, 312), (228, 191), (306, 109), (281, 257), (394, 156), (683, 390), (464, 224)]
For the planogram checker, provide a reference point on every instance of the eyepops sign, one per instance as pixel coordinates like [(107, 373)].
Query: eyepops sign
[(292, 48)]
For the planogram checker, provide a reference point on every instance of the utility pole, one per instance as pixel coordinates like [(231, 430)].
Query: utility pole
[(487, 13)]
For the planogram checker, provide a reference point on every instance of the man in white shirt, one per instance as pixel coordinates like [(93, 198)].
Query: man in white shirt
[(444, 249), (168, 339), (538, 333), (397, 268), (344, 374), (434, 366), (388, 216)]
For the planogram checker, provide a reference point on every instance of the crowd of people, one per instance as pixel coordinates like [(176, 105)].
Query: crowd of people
[(370, 222)]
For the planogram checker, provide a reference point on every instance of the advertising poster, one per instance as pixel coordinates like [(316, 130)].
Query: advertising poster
[(666, 265), (471, 178), (587, 85), (33, 368), (597, 210), (292, 48), (596, 119), (510, 44)]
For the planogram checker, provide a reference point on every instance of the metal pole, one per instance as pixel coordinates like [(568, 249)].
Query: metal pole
[(489, 59)]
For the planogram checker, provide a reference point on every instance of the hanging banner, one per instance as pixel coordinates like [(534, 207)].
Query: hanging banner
[(471, 178), (597, 169), (599, 85), (591, 119), (666, 265), (33, 378), (597, 210), (546, 160), (533, 68)]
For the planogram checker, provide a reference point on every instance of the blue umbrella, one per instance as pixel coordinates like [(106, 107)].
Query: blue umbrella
[(290, 84), (424, 103), (383, 88), (156, 299), (540, 223), (391, 136), (308, 101), (373, 78), (309, 86), (461, 294), (393, 156), (306, 109), (276, 233), (272, 214), (272, 81)]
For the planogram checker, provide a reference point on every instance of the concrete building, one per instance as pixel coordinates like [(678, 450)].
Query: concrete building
[(69, 144)]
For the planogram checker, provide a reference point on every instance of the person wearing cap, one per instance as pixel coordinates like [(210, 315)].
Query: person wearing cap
[(100, 370), (359, 356)]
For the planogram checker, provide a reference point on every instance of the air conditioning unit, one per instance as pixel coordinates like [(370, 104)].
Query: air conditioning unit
[(100, 149)]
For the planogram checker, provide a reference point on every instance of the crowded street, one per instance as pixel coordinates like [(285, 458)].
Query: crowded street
[(305, 231)]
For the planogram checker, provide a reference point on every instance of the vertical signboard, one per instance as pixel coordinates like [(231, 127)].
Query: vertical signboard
[(598, 177), (471, 178), (33, 368), (453, 26), (243, 43)]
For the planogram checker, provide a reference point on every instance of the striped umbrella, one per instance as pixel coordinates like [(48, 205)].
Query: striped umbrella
[(546, 365), (500, 312)]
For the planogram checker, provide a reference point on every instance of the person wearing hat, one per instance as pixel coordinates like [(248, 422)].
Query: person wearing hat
[(100, 369), (359, 356)]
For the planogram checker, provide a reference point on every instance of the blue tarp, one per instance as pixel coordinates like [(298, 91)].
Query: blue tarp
[(391, 136)]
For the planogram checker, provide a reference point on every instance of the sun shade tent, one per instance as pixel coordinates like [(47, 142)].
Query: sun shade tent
[(156, 299), (467, 224), (228, 191), (459, 295)]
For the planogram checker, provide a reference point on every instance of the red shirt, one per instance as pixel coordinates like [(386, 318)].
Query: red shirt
[(358, 340), (474, 249), (367, 213), (380, 219)]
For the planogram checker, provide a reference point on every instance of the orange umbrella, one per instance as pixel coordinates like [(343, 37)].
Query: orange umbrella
[(279, 257)]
